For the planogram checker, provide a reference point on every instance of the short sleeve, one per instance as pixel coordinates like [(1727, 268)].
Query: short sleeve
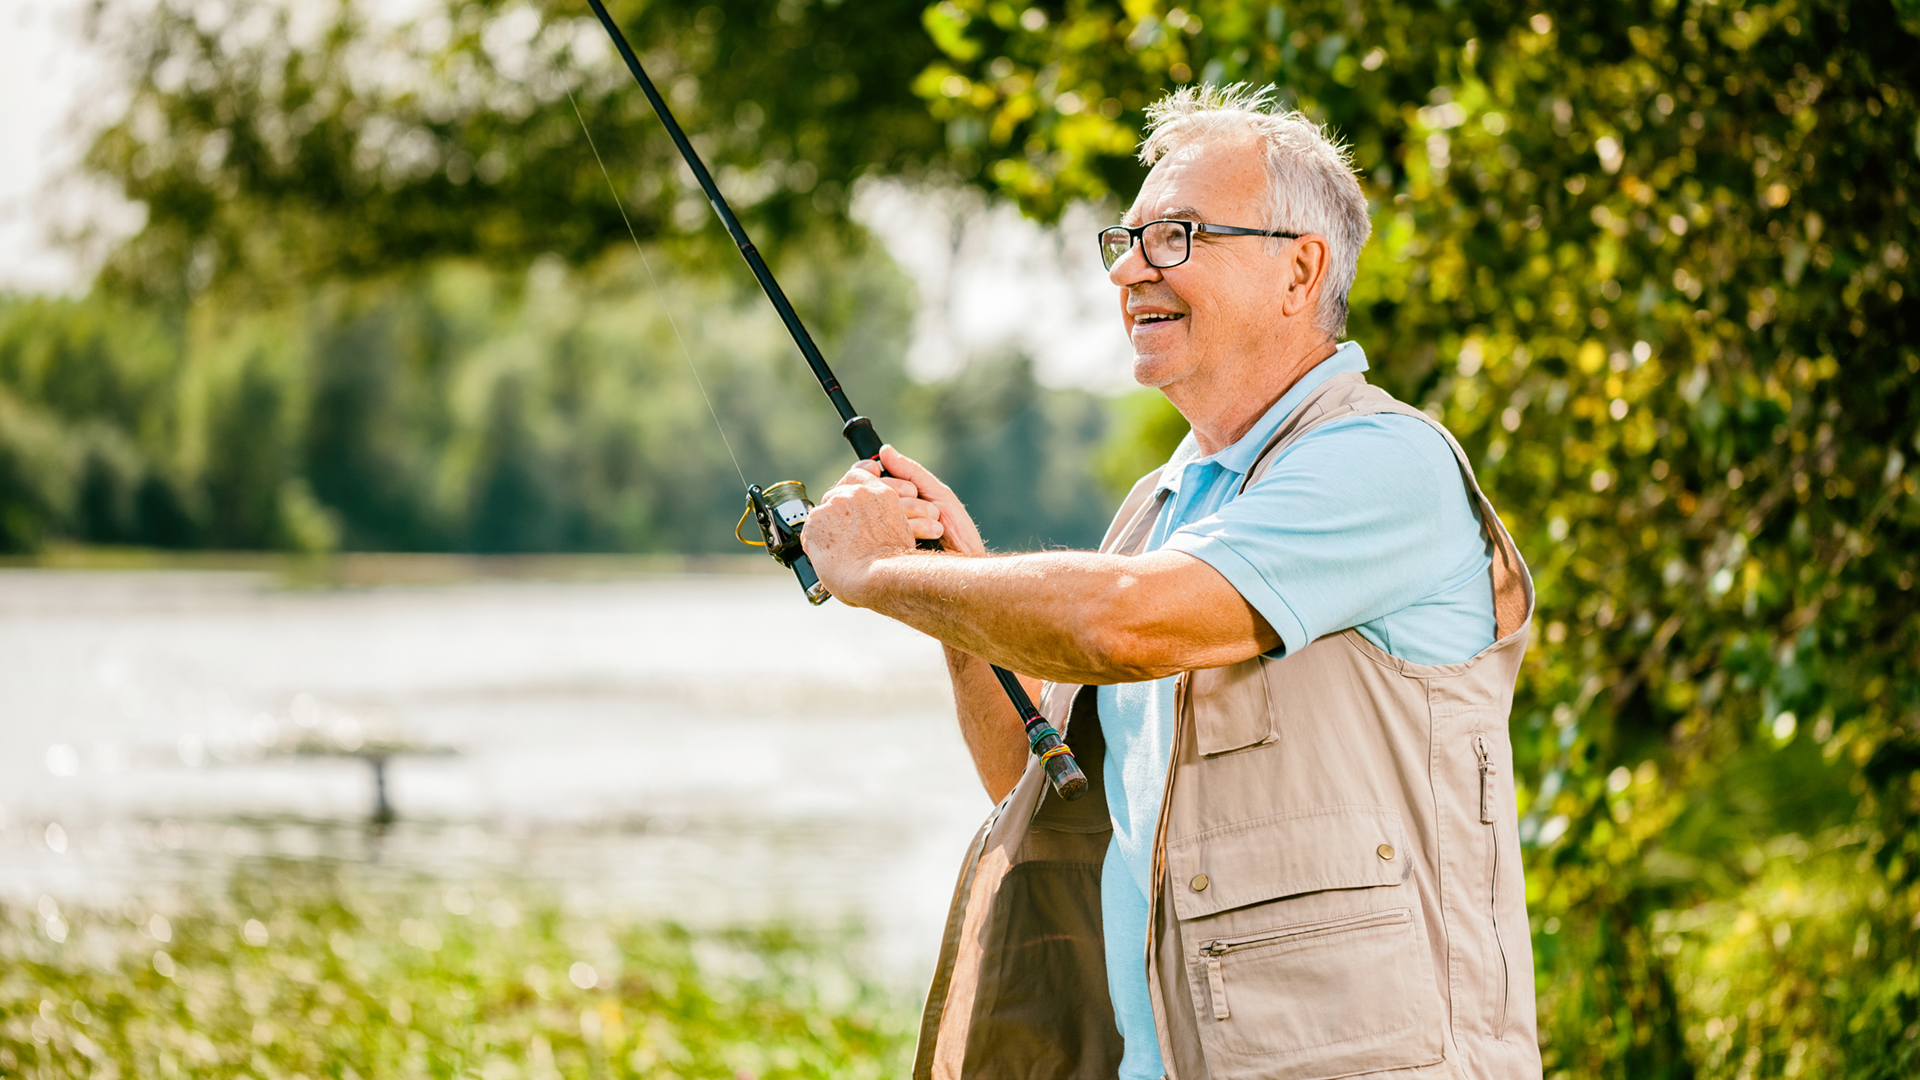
[(1360, 519)]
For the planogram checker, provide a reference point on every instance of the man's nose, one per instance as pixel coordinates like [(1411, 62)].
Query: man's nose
[(1132, 268)]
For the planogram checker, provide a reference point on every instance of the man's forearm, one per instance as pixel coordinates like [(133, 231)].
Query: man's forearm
[(1068, 616), (994, 732), (1054, 615)]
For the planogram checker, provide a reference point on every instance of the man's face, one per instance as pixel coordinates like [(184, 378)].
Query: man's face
[(1222, 304)]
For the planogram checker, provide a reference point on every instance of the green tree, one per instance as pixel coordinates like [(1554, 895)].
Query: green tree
[(370, 190), (456, 408), (1652, 263), (275, 145)]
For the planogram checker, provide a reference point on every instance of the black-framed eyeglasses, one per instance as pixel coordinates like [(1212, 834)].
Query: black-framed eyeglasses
[(1168, 242)]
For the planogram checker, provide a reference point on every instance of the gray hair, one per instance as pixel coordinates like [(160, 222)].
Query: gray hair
[(1311, 187)]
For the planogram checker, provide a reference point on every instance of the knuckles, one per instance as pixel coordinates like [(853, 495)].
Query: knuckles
[(845, 505)]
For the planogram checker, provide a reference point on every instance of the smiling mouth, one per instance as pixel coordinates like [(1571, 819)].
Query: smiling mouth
[(1151, 318)]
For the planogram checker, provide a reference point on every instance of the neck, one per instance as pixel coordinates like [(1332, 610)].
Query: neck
[(1225, 407)]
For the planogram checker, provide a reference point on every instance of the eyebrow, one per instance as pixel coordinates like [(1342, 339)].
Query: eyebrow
[(1187, 213)]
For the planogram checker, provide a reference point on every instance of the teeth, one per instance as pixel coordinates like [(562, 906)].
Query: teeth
[(1154, 317)]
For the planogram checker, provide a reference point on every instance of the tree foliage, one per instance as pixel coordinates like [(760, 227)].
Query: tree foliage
[(461, 408), (384, 297), (275, 144), (1652, 262), (471, 408)]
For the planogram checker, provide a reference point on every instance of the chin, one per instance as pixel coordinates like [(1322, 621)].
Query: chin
[(1155, 372)]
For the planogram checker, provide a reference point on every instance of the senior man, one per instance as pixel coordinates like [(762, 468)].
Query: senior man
[(1287, 673)]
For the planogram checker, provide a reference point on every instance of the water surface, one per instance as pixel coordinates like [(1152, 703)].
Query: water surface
[(700, 747)]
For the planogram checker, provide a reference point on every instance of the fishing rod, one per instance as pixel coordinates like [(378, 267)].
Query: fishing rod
[(781, 509)]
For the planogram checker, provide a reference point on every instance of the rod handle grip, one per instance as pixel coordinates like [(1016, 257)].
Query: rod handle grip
[(1063, 772), (860, 435)]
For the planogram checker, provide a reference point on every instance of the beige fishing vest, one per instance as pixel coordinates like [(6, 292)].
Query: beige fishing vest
[(1337, 866)]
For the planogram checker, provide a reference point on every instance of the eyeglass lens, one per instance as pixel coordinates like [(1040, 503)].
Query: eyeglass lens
[(1165, 242)]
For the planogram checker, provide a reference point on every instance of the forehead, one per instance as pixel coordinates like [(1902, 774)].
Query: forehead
[(1221, 179)]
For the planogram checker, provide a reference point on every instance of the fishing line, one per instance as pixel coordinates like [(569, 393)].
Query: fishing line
[(658, 292), (782, 509)]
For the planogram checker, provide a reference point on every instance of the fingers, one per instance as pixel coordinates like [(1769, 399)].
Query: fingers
[(867, 472), (852, 485), (906, 468), (903, 488), (862, 472), (957, 530), (923, 518), (858, 522), (932, 510)]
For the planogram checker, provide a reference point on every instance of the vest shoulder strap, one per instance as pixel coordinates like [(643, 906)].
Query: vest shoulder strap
[(1134, 520), (1349, 395)]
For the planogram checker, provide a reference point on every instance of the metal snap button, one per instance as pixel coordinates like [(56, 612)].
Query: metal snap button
[(1199, 883), (1385, 851)]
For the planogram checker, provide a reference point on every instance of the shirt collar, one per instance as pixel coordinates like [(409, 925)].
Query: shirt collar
[(1240, 456)]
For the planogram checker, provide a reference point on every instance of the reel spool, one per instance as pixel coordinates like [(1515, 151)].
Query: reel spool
[(781, 512)]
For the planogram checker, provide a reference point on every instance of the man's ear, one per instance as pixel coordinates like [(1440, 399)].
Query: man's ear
[(1308, 259)]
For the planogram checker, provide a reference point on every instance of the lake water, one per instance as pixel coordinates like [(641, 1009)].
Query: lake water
[(701, 747)]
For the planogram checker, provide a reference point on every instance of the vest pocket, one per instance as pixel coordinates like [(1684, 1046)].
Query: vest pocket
[(1040, 1007), (1324, 999), (1305, 955), (1215, 952), (1240, 716)]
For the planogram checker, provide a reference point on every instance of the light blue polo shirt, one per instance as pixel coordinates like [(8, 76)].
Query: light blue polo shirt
[(1364, 523)]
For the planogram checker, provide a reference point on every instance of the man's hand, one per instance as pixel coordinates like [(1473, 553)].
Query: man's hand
[(860, 520), (952, 526)]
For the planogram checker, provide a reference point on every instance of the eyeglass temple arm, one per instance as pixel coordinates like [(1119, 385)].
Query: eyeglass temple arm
[(1234, 230)]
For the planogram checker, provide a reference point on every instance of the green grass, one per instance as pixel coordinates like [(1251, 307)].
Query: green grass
[(305, 970)]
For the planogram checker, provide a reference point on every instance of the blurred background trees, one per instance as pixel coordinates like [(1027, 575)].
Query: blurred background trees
[(385, 300), (1651, 262)]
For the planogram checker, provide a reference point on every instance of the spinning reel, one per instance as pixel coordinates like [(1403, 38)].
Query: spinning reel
[(781, 512)]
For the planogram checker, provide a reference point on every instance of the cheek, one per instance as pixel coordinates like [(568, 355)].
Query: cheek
[(1255, 309)]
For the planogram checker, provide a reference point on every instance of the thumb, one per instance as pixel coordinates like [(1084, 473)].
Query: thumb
[(904, 467)]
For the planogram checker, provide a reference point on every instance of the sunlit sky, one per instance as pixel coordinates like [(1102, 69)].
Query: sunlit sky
[(42, 70), (989, 280)]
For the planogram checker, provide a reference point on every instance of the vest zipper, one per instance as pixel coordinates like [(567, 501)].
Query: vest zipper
[(1160, 874), (1214, 950), (1217, 986), (1487, 770)]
